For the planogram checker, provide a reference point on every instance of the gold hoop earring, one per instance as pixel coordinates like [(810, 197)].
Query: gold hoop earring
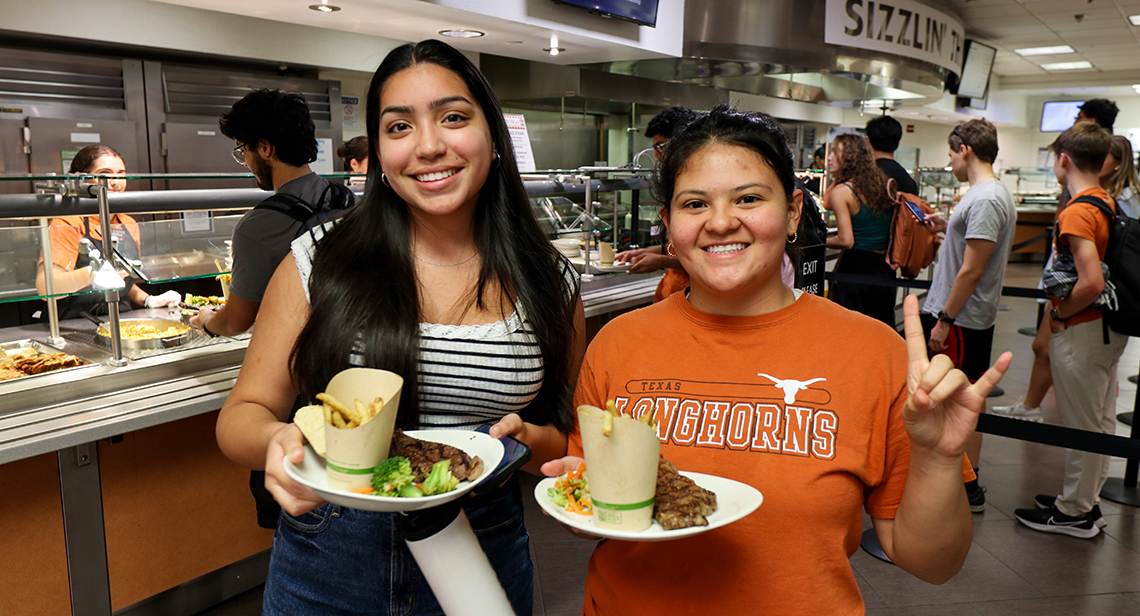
[(795, 236), (669, 249), (384, 180)]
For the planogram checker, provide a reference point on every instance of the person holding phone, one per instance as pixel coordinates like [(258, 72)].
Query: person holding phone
[(878, 427), (863, 209), (425, 277)]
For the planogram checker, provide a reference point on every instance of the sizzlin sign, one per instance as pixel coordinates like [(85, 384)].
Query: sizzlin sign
[(900, 27)]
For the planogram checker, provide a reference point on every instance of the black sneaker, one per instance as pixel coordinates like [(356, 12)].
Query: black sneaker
[(977, 499), (1045, 501), (1051, 520)]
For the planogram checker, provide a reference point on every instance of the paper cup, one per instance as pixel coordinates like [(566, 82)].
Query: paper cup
[(607, 252), (225, 287), (352, 453), (622, 469)]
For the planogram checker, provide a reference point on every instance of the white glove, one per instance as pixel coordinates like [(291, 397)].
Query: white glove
[(166, 300)]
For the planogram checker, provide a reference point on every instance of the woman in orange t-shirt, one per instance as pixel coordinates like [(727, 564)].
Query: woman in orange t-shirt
[(880, 429)]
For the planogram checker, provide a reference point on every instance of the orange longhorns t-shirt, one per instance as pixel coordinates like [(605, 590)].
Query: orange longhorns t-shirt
[(1084, 220), (803, 403)]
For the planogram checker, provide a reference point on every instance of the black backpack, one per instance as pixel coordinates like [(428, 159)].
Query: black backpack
[(1123, 260), (334, 199)]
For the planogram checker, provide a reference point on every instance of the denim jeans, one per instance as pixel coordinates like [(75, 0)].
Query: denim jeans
[(336, 560)]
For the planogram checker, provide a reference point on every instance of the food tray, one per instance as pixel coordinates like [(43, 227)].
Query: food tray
[(41, 348)]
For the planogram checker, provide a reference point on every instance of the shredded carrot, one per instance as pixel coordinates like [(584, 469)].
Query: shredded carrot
[(365, 491), (572, 503)]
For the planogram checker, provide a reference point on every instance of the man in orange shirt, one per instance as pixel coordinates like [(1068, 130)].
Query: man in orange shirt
[(1084, 354)]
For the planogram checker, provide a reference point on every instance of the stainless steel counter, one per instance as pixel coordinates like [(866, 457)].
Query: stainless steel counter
[(605, 294)]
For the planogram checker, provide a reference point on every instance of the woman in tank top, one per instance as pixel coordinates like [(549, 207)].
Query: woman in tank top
[(858, 197), (442, 275)]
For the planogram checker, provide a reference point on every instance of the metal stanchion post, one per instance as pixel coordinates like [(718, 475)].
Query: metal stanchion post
[(1124, 491)]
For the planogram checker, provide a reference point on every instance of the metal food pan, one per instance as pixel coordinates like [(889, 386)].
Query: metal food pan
[(41, 348), (146, 344)]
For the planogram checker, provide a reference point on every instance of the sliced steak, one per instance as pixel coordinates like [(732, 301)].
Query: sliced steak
[(422, 455), (679, 502)]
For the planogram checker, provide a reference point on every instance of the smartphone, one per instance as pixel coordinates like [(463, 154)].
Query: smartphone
[(515, 454), (917, 211)]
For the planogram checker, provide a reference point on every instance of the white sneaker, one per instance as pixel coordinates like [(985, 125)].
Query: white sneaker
[(1018, 410)]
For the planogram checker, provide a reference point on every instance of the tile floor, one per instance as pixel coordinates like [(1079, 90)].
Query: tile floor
[(1011, 570)]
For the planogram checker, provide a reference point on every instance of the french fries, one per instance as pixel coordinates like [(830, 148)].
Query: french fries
[(343, 416), (611, 411)]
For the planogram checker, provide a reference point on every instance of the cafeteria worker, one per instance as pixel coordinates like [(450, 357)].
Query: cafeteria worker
[(72, 268)]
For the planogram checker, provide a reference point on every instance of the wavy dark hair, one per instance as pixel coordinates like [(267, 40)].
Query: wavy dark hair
[(857, 166), (281, 118), (363, 289)]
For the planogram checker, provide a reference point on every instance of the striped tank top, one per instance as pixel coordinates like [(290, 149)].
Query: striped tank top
[(469, 375)]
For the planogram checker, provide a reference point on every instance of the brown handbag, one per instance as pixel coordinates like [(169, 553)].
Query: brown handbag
[(912, 244)]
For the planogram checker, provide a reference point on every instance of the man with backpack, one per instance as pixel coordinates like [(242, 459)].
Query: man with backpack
[(885, 133), (961, 307), (1083, 350), (276, 140)]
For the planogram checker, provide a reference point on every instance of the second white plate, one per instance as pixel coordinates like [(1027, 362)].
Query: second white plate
[(734, 500)]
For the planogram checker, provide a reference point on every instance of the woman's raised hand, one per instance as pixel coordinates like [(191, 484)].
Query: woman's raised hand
[(942, 407)]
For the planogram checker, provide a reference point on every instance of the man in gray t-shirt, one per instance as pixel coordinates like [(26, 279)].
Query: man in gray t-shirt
[(276, 140), (961, 306)]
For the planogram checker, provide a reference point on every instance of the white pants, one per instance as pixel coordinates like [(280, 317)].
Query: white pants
[(1084, 381)]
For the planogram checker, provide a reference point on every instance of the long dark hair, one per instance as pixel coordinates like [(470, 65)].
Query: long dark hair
[(857, 166), (363, 289)]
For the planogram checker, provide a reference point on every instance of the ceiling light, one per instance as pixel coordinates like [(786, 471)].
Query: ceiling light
[(459, 33), (554, 51), (1044, 51), (1066, 66), (324, 7), (1134, 20)]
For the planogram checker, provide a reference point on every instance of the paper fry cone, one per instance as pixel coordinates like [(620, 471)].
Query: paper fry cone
[(352, 453), (622, 469)]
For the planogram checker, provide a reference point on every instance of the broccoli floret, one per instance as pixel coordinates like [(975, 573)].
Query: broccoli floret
[(410, 491), (391, 475), (440, 479), (558, 497)]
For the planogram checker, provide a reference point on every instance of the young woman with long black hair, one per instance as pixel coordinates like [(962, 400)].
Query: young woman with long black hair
[(442, 275)]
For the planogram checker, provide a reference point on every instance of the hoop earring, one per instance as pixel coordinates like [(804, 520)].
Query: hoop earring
[(669, 249), (384, 180), (795, 236)]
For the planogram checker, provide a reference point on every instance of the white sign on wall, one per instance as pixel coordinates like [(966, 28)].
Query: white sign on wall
[(520, 139), (900, 27), (324, 162)]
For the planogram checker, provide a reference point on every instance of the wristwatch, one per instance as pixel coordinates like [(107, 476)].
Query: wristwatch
[(1056, 317), (945, 318)]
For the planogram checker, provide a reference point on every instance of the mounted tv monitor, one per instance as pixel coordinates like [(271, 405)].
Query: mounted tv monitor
[(642, 12), (1057, 116), (976, 69)]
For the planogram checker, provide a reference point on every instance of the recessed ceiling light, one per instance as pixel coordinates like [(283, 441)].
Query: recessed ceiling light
[(514, 42), (1044, 51), (324, 7), (1066, 66), (1134, 20), (554, 51), (460, 33)]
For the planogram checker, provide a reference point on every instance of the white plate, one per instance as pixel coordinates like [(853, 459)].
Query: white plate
[(311, 473), (734, 500)]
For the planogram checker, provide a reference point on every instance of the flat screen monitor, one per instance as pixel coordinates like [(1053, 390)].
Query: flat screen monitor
[(642, 12), (1059, 115), (976, 70)]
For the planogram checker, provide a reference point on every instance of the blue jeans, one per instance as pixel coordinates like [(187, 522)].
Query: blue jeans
[(336, 560)]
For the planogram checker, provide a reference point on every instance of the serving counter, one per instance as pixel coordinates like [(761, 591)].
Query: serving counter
[(117, 498)]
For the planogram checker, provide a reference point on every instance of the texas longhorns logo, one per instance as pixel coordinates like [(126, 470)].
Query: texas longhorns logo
[(790, 386)]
